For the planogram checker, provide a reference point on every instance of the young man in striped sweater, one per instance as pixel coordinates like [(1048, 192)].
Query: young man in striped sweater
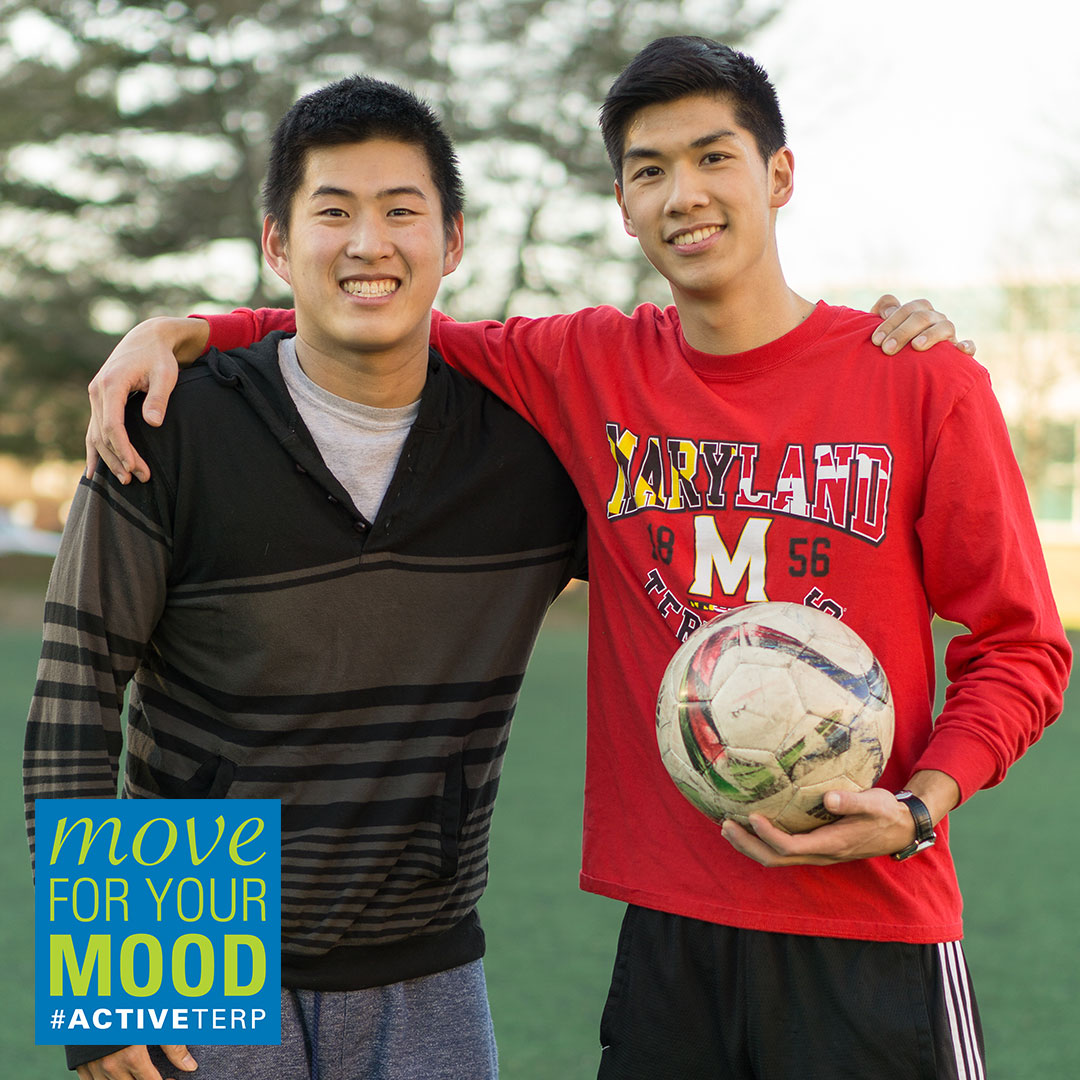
[(327, 594)]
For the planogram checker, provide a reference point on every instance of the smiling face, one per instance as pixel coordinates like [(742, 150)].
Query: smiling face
[(365, 251), (702, 203)]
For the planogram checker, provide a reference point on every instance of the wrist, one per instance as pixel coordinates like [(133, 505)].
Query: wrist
[(938, 791), (197, 340), (187, 338)]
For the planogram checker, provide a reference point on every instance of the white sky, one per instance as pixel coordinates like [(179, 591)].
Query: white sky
[(935, 140)]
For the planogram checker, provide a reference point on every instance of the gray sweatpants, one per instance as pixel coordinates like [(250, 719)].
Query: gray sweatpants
[(434, 1028)]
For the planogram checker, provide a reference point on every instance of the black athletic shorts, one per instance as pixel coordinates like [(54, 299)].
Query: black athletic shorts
[(691, 1000)]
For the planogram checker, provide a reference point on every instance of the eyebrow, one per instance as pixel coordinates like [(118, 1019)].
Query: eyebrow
[(635, 152), (385, 193)]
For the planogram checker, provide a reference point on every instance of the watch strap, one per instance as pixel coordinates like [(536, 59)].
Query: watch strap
[(924, 826)]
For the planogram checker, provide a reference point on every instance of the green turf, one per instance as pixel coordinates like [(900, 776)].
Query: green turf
[(18, 660), (550, 945)]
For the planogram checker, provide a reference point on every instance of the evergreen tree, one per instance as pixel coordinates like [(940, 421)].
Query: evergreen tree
[(133, 140)]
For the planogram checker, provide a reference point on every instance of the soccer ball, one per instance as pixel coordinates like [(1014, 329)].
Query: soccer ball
[(767, 708)]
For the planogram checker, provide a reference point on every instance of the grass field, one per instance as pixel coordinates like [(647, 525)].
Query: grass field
[(550, 945)]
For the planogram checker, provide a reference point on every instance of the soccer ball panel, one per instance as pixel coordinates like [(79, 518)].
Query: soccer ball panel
[(755, 702), (833, 753), (878, 718), (748, 781), (845, 650)]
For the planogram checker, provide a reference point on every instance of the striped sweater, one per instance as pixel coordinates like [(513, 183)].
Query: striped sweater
[(279, 645)]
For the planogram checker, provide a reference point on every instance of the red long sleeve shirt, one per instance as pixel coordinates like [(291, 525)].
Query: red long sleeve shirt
[(814, 469)]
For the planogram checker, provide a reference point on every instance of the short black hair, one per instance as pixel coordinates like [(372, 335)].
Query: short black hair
[(676, 67), (354, 110)]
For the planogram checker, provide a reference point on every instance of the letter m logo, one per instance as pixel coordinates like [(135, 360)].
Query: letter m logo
[(711, 557)]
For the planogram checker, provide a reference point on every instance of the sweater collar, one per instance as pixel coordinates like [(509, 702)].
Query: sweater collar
[(256, 373)]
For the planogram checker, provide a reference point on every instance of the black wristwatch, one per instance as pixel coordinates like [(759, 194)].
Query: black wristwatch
[(924, 826)]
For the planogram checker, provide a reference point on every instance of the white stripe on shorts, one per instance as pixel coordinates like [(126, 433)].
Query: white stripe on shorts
[(957, 990)]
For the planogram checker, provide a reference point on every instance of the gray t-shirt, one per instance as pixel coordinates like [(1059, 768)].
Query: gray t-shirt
[(359, 443)]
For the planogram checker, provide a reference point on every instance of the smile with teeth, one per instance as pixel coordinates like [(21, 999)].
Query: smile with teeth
[(381, 287), (695, 236)]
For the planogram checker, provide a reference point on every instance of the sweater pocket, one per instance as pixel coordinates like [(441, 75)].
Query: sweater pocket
[(211, 780), (454, 809)]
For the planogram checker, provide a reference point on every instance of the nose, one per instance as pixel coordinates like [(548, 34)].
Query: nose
[(369, 238), (686, 191)]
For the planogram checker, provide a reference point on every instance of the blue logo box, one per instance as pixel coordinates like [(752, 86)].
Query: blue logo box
[(158, 921)]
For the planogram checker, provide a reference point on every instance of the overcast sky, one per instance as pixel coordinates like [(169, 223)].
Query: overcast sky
[(936, 141)]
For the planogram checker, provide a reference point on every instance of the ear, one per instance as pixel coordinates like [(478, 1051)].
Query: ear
[(627, 224), (274, 249), (781, 178), (455, 245)]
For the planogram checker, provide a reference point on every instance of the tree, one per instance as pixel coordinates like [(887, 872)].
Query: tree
[(133, 140)]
